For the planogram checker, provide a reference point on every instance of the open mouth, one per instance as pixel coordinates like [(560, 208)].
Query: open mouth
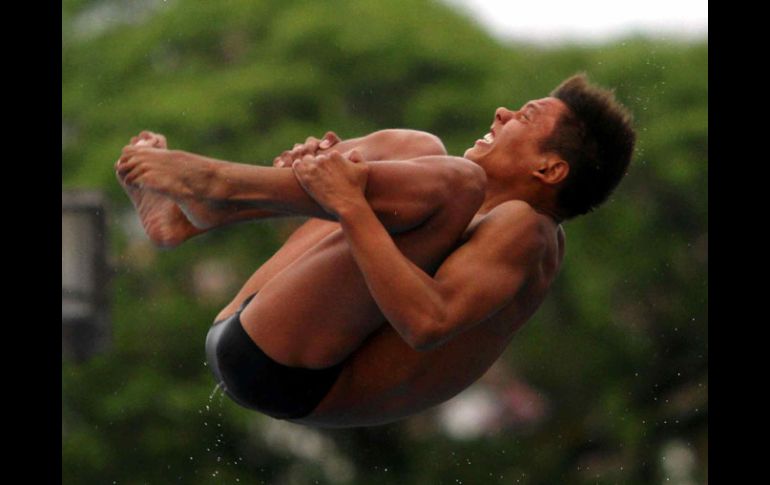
[(488, 139)]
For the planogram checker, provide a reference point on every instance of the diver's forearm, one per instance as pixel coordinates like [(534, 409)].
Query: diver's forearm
[(407, 296)]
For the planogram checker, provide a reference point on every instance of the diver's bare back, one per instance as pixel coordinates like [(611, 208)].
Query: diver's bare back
[(386, 379)]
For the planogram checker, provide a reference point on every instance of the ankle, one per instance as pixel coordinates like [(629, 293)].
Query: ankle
[(205, 180)]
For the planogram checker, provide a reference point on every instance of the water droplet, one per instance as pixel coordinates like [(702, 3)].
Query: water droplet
[(216, 388)]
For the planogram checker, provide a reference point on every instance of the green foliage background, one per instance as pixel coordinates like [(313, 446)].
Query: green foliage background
[(620, 348)]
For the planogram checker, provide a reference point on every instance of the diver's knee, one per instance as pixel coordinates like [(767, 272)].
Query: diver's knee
[(415, 143), (463, 182)]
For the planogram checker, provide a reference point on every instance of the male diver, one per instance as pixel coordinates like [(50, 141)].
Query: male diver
[(415, 268)]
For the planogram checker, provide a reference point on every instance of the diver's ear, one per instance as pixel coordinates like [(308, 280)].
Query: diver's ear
[(552, 170)]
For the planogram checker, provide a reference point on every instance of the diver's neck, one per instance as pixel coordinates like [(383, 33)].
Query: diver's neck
[(497, 195), (550, 213), (492, 200)]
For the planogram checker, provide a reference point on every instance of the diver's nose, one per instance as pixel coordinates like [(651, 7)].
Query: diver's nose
[(503, 115)]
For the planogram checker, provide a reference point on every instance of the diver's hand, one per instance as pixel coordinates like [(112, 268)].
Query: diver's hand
[(311, 147), (334, 181)]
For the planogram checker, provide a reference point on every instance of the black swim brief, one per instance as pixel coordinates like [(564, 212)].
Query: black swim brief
[(255, 381)]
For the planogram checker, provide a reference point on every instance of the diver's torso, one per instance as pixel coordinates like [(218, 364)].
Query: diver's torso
[(386, 379)]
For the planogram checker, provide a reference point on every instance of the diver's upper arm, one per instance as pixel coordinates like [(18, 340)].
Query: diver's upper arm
[(486, 273)]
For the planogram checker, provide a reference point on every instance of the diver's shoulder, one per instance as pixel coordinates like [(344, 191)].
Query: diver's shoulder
[(518, 210), (518, 220)]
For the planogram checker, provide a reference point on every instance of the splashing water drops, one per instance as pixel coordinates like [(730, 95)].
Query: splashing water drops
[(218, 421), (213, 393)]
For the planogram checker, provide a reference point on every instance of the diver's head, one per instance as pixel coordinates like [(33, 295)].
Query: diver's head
[(565, 153)]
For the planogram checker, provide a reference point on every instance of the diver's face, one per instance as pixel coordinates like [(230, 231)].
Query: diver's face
[(515, 136)]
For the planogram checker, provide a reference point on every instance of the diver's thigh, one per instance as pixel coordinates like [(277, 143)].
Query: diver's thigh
[(300, 241)]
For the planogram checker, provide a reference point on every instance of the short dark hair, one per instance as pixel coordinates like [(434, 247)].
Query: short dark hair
[(596, 138)]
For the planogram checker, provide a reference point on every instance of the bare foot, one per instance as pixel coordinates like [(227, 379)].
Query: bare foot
[(162, 220), (187, 181)]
